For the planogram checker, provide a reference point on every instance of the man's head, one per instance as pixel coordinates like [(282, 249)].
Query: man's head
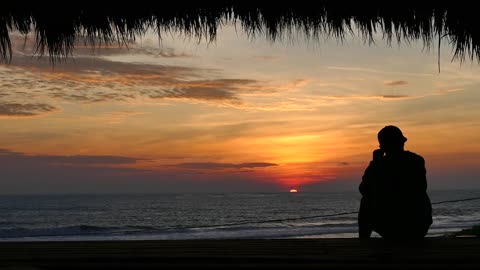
[(391, 139)]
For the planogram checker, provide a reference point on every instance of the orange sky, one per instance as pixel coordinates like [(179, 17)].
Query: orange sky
[(233, 115)]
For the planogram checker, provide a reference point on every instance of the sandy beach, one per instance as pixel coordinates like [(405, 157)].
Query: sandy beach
[(438, 253)]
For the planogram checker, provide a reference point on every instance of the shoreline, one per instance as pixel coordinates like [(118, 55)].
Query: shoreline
[(473, 231), (453, 232)]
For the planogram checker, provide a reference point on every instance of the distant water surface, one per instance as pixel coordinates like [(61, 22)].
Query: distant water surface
[(188, 216)]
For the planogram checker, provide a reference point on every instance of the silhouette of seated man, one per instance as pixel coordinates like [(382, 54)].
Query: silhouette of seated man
[(394, 201)]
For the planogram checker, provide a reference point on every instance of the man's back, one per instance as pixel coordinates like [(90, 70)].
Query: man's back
[(394, 193), (400, 203)]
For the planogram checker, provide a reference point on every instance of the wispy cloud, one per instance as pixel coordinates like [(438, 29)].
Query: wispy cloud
[(221, 166), (221, 89), (399, 97), (87, 78), (95, 80), (25, 109), (22, 173), (55, 160), (115, 117), (395, 96), (366, 97), (132, 49), (26, 45), (266, 57), (450, 90), (118, 117), (90, 96), (394, 83), (378, 71)]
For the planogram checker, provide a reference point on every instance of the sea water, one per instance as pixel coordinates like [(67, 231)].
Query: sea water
[(205, 216)]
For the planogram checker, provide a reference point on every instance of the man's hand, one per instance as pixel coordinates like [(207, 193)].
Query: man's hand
[(377, 154)]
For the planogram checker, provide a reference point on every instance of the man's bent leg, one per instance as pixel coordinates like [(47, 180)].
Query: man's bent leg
[(364, 220)]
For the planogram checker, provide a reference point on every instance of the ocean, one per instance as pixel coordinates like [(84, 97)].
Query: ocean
[(205, 216)]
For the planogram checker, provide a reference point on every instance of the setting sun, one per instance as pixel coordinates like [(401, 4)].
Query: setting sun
[(293, 190)]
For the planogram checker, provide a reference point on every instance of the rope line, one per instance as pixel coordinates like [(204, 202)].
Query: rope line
[(460, 200), (293, 219), (256, 222)]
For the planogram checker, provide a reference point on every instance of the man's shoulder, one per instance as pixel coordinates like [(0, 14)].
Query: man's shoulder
[(415, 157)]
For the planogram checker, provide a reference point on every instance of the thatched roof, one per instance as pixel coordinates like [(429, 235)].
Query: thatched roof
[(57, 28)]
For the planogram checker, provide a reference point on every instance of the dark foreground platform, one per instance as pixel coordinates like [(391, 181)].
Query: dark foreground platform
[(433, 253)]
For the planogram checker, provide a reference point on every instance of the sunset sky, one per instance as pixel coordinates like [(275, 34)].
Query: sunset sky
[(237, 114)]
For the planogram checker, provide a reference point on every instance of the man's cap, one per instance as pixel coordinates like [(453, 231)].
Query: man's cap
[(390, 134)]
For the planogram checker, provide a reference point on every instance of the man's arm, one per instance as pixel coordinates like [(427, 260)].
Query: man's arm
[(370, 172), (421, 174), (365, 185), (424, 175), (425, 206), (365, 214)]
